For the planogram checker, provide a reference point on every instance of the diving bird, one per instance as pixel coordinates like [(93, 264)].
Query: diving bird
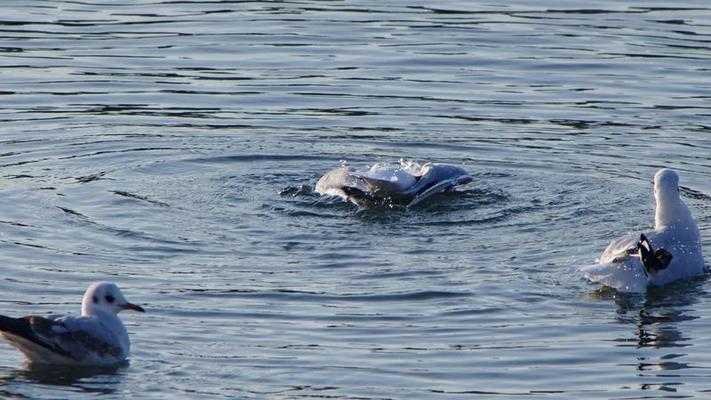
[(670, 252), (97, 337), (407, 181)]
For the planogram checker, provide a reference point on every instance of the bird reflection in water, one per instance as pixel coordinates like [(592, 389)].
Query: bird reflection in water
[(658, 314), (99, 380), (658, 317)]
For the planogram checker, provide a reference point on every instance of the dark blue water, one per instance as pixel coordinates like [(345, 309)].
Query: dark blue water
[(173, 147)]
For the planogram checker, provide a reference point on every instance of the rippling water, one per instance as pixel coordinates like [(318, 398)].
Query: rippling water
[(172, 146)]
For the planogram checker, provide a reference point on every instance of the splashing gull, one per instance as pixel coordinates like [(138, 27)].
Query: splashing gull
[(97, 337), (671, 252), (406, 181)]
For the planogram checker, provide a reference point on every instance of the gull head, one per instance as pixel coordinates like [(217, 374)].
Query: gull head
[(666, 183), (105, 297), (670, 209)]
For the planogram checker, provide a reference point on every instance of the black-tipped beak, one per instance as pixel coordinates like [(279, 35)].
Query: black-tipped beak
[(134, 307)]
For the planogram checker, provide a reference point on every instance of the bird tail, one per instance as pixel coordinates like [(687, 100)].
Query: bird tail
[(620, 276), (15, 326)]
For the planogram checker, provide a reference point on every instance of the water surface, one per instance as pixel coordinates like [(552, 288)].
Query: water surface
[(173, 147)]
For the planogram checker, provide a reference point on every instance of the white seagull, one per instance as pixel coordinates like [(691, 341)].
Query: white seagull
[(631, 263), (407, 181), (97, 337)]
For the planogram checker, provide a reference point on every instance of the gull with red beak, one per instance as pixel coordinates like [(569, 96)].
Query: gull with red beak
[(97, 337)]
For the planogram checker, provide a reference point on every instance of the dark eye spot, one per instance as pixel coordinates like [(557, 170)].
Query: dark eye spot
[(95, 299), (109, 298)]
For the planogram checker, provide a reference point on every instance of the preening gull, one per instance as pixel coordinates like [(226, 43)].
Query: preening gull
[(671, 252), (97, 337), (407, 181)]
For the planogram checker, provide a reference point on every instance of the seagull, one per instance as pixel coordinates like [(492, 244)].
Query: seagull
[(670, 252), (97, 337), (407, 181)]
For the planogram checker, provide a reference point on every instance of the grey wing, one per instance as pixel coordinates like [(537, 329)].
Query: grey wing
[(439, 187), (31, 328), (380, 187), (76, 338), (619, 249)]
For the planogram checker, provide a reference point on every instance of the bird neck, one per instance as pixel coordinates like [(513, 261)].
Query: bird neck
[(671, 211)]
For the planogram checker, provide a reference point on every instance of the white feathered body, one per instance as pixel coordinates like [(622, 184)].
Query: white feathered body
[(625, 272), (675, 231)]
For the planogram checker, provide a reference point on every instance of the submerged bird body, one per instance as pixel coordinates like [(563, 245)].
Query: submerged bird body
[(678, 255), (407, 181), (97, 337)]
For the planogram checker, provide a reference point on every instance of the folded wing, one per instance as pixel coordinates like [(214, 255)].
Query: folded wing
[(75, 339)]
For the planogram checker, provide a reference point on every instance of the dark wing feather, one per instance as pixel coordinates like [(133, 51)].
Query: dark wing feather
[(55, 336), (27, 327)]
